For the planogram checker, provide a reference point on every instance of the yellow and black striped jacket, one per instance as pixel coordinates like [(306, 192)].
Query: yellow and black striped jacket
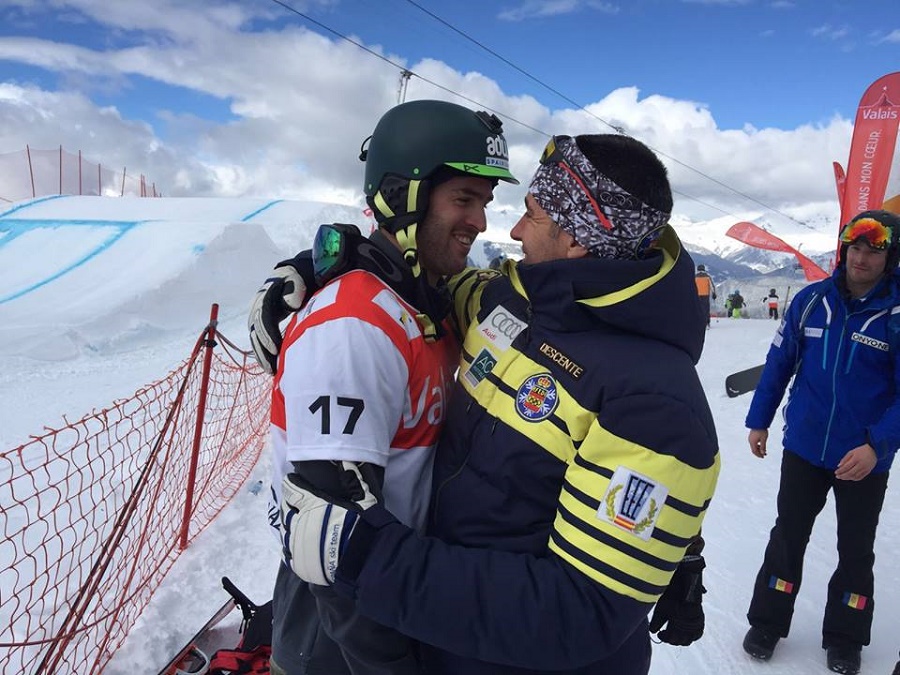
[(578, 460)]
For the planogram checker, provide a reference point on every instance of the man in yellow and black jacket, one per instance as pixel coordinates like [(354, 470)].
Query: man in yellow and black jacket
[(579, 455)]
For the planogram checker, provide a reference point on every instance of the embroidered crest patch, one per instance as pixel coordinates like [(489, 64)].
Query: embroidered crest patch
[(537, 397), (632, 502)]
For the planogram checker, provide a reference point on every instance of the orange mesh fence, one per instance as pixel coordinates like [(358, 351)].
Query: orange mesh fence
[(94, 514), (29, 173)]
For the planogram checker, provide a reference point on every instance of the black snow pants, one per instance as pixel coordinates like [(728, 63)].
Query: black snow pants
[(801, 496), (317, 632), (704, 303)]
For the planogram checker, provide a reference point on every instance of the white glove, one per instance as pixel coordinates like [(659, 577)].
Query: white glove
[(282, 294), (317, 526)]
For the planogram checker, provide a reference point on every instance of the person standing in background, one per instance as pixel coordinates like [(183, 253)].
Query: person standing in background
[(736, 304), (705, 289), (839, 341), (771, 301)]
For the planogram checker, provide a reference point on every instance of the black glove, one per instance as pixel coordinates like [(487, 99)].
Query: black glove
[(283, 293), (680, 608)]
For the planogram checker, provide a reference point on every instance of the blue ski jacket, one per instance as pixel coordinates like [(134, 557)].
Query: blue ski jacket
[(578, 460), (846, 390)]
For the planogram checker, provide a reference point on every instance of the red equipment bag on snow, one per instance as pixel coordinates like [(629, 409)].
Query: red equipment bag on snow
[(253, 651)]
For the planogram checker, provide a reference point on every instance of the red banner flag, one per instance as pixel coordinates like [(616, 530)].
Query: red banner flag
[(840, 180), (755, 236), (872, 147)]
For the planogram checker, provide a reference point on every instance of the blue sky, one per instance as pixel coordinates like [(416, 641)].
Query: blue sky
[(753, 62), (748, 101)]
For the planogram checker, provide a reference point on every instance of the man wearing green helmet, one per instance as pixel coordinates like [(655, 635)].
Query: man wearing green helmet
[(365, 369)]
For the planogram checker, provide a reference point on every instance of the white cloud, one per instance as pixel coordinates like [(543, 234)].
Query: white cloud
[(731, 3), (605, 7), (537, 9), (829, 32), (301, 105)]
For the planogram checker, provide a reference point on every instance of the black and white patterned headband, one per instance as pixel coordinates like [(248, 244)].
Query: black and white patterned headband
[(608, 221)]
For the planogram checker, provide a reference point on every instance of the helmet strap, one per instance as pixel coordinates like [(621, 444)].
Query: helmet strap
[(399, 205), (429, 319), (406, 237)]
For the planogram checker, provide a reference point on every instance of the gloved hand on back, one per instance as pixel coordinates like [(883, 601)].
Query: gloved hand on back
[(680, 608), (317, 523), (283, 293)]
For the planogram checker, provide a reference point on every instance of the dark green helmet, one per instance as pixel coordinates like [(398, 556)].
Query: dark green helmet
[(413, 140), (416, 145)]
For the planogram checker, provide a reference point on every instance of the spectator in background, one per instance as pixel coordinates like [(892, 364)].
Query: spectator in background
[(736, 303), (705, 290), (842, 430), (771, 301), (496, 261)]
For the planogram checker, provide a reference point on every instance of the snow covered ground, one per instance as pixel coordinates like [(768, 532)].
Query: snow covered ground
[(91, 310)]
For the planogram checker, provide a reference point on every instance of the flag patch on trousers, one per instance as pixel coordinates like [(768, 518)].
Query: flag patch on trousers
[(855, 601), (781, 585)]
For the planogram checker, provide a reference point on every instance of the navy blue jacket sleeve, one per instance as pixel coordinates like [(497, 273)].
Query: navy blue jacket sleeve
[(779, 368), (508, 608)]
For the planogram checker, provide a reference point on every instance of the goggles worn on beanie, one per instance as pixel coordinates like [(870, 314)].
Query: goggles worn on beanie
[(600, 215), (876, 234)]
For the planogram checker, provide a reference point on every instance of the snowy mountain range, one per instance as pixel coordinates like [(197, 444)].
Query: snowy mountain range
[(732, 264), (813, 231)]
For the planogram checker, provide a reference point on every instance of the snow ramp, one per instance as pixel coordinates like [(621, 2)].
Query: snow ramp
[(85, 273)]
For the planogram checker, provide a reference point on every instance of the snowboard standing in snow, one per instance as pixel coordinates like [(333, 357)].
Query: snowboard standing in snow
[(743, 381)]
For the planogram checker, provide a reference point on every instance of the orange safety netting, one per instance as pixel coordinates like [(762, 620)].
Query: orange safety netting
[(94, 514), (29, 173)]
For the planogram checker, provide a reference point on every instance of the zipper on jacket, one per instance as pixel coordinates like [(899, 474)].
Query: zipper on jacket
[(834, 373)]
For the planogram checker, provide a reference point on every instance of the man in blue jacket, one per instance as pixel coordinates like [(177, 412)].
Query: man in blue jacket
[(842, 429), (579, 454)]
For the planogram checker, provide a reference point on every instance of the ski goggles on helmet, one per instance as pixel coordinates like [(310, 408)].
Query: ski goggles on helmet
[(600, 215), (875, 233)]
